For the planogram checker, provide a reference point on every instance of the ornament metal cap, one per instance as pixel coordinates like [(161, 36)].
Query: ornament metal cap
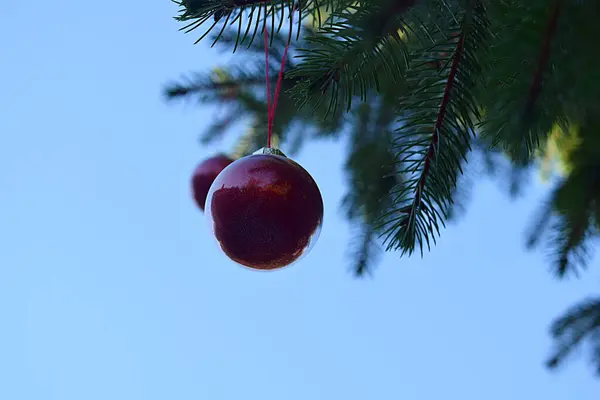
[(270, 151)]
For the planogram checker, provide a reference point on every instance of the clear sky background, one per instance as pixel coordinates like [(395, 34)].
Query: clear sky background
[(111, 286)]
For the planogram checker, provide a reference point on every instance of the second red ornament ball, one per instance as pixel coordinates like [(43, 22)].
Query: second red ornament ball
[(265, 210), (204, 175)]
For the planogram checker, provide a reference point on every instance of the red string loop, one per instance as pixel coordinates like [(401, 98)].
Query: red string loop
[(272, 105)]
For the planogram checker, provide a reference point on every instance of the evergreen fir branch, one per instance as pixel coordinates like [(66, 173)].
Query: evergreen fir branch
[(461, 194), (351, 56), (518, 177), (227, 83), (428, 58), (569, 219), (542, 63), (365, 250), (519, 114), (217, 128), (493, 160), (255, 50), (513, 177), (575, 70), (248, 16), (435, 137), (179, 90), (484, 161), (286, 121), (242, 90), (571, 245), (230, 86), (566, 223), (369, 184), (541, 222), (254, 138), (578, 325)]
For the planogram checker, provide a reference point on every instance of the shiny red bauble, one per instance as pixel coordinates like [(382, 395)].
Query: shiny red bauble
[(204, 175), (265, 210)]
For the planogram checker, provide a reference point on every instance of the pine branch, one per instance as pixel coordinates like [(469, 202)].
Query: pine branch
[(224, 87), (366, 251), (432, 153), (536, 82), (226, 84), (567, 223), (428, 56), (579, 324), (351, 56), (570, 244), (541, 222), (254, 138), (519, 114), (461, 195), (217, 128), (178, 90), (369, 182), (250, 16)]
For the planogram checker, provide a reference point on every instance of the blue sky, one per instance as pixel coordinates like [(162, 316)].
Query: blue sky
[(111, 286)]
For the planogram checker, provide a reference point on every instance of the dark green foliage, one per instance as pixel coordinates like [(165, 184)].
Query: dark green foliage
[(572, 214), (430, 154), (578, 325), (342, 63), (370, 182), (419, 89), (241, 89)]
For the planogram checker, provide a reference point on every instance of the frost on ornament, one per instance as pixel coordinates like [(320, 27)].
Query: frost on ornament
[(265, 210), (204, 175)]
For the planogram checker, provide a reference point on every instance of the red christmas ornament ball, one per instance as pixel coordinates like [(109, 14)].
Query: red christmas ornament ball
[(204, 175), (266, 210)]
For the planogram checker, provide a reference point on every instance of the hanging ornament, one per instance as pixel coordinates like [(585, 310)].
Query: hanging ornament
[(265, 210), (204, 175)]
